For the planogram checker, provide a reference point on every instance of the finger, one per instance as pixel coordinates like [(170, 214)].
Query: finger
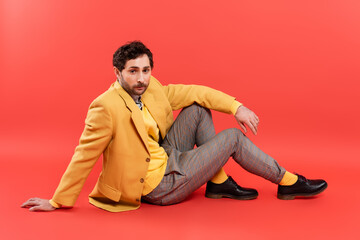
[(255, 124), (252, 128), (36, 208), (254, 121), (243, 127), (254, 117), (34, 199), (31, 202), (256, 128), (28, 203)]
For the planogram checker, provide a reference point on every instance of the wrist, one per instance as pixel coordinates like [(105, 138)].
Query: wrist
[(54, 204), (235, 106)]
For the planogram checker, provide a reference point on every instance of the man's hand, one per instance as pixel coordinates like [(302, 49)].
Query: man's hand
[(245, 116), (38, 204)]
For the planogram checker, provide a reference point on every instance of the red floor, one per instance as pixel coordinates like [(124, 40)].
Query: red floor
[(334, 214)]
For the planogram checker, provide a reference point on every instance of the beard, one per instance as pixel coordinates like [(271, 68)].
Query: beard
[(134, 91)]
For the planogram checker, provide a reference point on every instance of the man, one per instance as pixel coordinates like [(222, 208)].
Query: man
[(149, 157)]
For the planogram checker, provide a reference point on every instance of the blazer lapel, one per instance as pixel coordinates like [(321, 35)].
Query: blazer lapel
[(136, 115)]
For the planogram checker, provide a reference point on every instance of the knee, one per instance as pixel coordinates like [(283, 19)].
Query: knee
[(197, 107), (234, 131), (234, 134)]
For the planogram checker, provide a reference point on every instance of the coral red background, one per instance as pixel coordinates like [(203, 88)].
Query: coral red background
[(295, 63)]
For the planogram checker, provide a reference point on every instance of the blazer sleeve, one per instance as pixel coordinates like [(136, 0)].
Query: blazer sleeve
[(180, 96), (95, 138)]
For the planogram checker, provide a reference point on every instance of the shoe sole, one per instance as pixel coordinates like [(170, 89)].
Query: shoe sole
[(218, 196), (306, 195)]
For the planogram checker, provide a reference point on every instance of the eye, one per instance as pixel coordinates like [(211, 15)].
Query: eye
[(146, 70), (132, 71)]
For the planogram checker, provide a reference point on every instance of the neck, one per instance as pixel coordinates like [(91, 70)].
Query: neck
[(135, 97)]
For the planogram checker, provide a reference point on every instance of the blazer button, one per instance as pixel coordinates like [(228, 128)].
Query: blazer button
[(141, 180), (147, 160)]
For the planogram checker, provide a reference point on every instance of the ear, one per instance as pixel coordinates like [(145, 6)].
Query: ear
[(117, 72)]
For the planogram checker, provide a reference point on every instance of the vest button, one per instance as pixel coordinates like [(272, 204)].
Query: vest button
[(147, 160), (141, 180)]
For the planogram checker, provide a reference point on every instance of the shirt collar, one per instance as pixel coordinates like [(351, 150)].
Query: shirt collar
[(139, 103)]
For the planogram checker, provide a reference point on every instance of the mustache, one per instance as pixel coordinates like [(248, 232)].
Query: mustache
[(140, 85)]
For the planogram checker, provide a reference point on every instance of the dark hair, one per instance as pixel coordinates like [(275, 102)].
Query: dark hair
[(129, 51)]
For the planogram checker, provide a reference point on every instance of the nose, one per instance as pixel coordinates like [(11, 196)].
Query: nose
[(141, 78)]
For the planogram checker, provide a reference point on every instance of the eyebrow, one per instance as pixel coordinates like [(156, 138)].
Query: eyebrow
[(139, 67)]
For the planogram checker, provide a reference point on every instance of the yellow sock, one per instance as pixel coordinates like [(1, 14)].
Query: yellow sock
[(288, 179), (219, 177)]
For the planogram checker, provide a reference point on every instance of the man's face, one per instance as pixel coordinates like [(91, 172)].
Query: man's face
[(135, 77)]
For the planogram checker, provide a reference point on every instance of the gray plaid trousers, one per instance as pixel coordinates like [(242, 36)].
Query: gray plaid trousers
[(188, 168)]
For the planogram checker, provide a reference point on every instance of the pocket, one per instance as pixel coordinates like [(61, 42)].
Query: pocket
[(173, 166), (109, 191), (173, 181)]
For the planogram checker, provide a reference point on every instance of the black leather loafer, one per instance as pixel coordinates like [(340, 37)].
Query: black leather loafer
[(302, 188), (229, 189)]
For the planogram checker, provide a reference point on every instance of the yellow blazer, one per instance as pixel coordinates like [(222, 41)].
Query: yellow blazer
[(114, 127)]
